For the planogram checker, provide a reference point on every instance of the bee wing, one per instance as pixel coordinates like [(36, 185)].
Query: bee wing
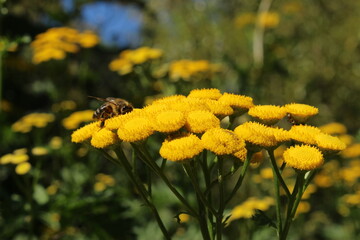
[(97, 98)]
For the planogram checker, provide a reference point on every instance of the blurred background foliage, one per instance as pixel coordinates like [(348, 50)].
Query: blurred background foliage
[(276, 51)]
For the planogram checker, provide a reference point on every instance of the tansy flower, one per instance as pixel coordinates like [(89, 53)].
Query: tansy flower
[(200, 121), (85, 132), (329, 143), (257, 134), (300, 113), (241, 154), (333, 128), (239, 102), (23, 168), (269, 19), (303, 157), (26, 123), (76, 118), (244, 19), (168, 121), (186, 69), (188, 105), (117, 121), (181, 148), (352, 151), (39, 151), (267, 114), (304, 133), (169, 99), (103, 138), (247, 208), (218, 108), (222, 141), (206, 93), (135, 129)]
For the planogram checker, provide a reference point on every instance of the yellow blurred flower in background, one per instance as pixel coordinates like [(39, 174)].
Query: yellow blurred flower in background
[(56, 42), (192, 69), (26, 123), (76, 118), (268, 19)]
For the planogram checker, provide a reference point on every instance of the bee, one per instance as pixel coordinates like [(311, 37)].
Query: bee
[(111, 108)]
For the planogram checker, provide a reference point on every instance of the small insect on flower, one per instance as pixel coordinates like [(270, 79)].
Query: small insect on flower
[(111, 108)]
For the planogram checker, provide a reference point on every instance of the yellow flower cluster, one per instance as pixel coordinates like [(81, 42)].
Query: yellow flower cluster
[(248, 207), (180, 117), (103, 181), (193, 123), (20, 158), (26, 123), (56, 42), (75, 119), (268, 19), (127, 59), (192, 69)]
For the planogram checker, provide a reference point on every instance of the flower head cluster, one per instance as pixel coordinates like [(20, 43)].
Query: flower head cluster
[(103, 181), (300, 113), (268, 19), (20, 158), (56, 42), (247, 208), (26, 123), (193, 123), (187, 115), (192, 69), (127, 59)]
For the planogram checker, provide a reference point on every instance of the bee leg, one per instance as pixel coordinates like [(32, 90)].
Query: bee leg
[(102, 123)]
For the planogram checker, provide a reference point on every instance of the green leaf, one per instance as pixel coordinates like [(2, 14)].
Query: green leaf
[(40, 195)]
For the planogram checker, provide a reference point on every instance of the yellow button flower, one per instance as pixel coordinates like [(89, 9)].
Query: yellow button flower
[(304, 133), (168, 121), (23, 168), (239, 102), (39, 151), (218, 108), (222, 141), (200, 121), (303, 157), (189, 104), (333, 128), (181, 148), (257, 134), (206, 93), (267, 114), (135, 129), (300, 113), (329, 143), (103, 138), (352, 151), (85, 132)]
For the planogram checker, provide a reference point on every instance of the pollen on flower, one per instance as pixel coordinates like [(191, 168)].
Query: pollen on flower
[(206, 93), (304, 133), (181, 148), (301, 112), (85, 132), (169, 121), (200, 121), (103, 138), (329, 143), (303, 157), (135, 129), (237, 101), (267, 114), (222, 141)]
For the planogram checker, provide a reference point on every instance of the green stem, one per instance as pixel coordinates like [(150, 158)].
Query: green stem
[(1, 76), (145, 156), (138, 184), (277, 172), (293, 203), (219, 216), (278, 199), (193, 179), (241, 177)]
